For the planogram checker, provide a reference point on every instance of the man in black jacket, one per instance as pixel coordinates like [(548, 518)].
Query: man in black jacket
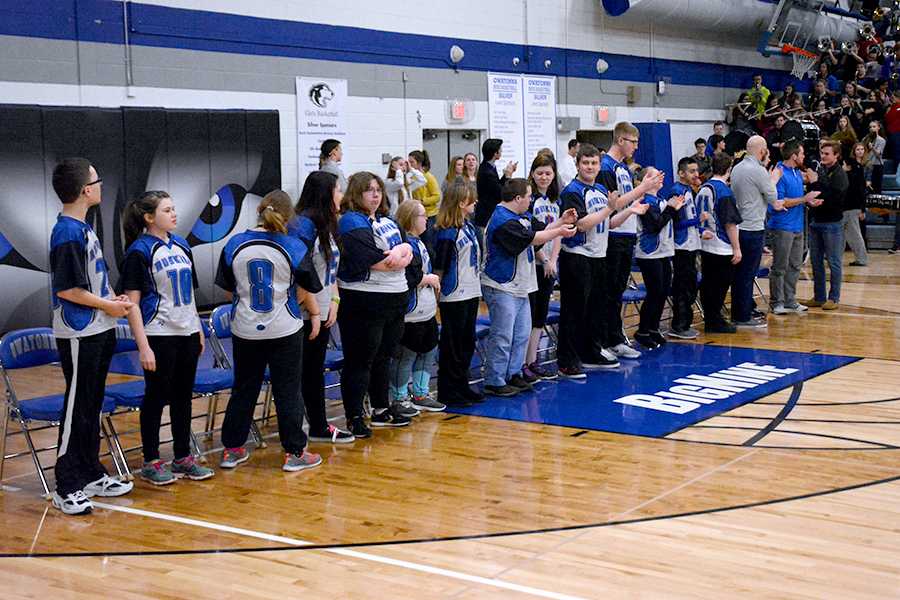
[(826, 236), (489, 183)]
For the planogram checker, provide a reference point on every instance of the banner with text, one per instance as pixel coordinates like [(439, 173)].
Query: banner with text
[(321, 114), (522, 114)]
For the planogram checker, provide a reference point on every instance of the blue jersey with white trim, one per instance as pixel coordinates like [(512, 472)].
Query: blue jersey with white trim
[(586, 200), (263, 270), (717, 199), (365, 242), (687, 220), (655, 239), (457, 257), (76, 261), (422, 300), (305, 230), (509, 259), (616, 177), (163, 272)]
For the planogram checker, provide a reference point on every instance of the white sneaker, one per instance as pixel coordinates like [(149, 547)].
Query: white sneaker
[(780, 309), (107, 487), (75, 503), (799, 308), (624, 351)]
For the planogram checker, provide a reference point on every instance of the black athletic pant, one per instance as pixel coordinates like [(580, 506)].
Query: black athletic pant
[(717, 274), (455, 349), (171, 383), (313, 379), (619, 254), (657, 273), (539, 300), (85, 363), (684, 289), (371, 327), (581, 326), (284, 357)]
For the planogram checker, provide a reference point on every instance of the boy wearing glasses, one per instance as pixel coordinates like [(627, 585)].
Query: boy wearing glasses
[(84, 320), (616, 177)]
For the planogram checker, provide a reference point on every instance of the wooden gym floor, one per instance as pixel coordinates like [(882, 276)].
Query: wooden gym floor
[(795, 494)]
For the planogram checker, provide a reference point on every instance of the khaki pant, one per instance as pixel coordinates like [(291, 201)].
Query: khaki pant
[(853, 235)]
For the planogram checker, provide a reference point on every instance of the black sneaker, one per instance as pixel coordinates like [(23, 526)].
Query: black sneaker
[(724, 327), (605, 360), (517, 381), (529, 376), (757, 314), (571, 373), (540, 372), (359, 429), (504, 391), (472, 395), (658, 337), (389, 417), (646, 340), (894, 250)]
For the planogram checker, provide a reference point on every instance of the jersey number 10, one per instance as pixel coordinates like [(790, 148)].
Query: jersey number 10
[(182, 286)]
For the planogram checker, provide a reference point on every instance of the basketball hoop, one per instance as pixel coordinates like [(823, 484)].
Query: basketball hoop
[(804, 60)]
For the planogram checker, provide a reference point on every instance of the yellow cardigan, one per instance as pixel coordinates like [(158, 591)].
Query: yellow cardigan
[(429, 195)]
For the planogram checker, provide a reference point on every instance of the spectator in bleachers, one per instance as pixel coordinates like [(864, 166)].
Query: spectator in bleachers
[(741, 115), (819, 94), (758, 93), (845, 134), (875, 144), (832, 85), (855, 204), (892, 121)]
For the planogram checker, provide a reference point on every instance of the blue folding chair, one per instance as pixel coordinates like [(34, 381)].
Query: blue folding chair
[(762, 273), (24, 349), (212, 382)]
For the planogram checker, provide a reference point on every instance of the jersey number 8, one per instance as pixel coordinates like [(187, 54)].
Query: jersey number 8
[(260, 273)]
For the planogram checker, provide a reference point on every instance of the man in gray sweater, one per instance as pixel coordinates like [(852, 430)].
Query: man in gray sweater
[(754, 191)]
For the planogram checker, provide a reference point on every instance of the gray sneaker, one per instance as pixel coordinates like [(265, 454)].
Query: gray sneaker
[(752, 324), (797, 307), (300, 462), (781, 309), (157, 473), (190, 468), (428, 403), (687, 334), (622, 351), (406, 409)]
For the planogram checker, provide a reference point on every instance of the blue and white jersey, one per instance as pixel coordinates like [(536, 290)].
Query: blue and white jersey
[(586, 200), (262, 270), (422, 300), (687, 220), (655, 237), (716, 198), (616, 177), (76, 261), (457, 257), (163, 272), (544, 210), (509, 259), (365, 241), (326, 270)]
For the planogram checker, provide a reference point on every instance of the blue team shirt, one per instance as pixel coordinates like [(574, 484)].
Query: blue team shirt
[(509, 258), (616, 177), (789, 186), (263, 270), (457, 257), (303, 228), (365, 241), (76, 261), (687, 220), (163, 272)]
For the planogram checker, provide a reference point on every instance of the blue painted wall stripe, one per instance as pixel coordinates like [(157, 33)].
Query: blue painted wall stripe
[(164, 27)]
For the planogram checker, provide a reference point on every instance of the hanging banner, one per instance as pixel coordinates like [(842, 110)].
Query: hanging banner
[(540, 115), (522, 114), (321, 114), (507, 119)]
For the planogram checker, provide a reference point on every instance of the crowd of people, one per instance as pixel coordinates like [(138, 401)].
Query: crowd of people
[(377, 262)]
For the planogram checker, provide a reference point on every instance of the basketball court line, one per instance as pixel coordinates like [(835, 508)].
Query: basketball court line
[(403, 564)]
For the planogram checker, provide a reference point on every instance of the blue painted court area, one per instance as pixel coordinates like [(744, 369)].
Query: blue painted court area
[(663, 391)]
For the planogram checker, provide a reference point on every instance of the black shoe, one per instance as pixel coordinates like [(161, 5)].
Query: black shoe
[(504, 391), (856, 263), (358, 428), (528, 376), (517, 381), (473, 395), (724, 327), (390, 417), (659, 338), (571, 373), (893, 250), (757, 314), (646, 340)]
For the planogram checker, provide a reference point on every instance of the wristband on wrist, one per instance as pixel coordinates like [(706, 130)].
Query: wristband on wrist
[(336, 299)]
